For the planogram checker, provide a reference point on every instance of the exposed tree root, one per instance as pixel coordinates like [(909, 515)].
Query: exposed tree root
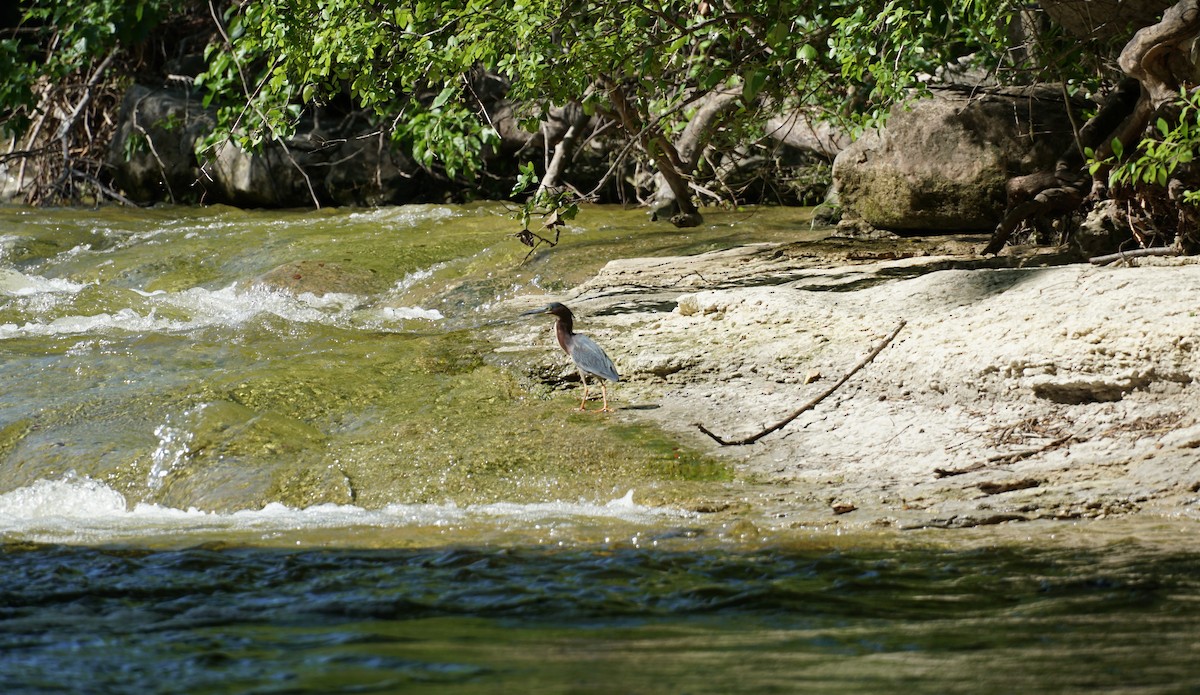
[(1044, 194), (1158, 61)]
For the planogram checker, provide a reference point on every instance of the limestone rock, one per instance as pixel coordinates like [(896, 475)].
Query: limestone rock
[(320, 278), (942, 165), (152, 154), (1102, 232)]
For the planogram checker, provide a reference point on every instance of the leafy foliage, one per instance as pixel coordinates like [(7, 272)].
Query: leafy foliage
[(63, 37), (1161, 155), (433, 71), (1158, 177), (419, 62)]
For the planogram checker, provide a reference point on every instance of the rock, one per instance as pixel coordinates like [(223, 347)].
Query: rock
[(1078, 389), (943, 164), (152, 154), (249, 179), (153, 159), (320, 278), (206, 464), (1013, 393), (340, 168), (659, 364), (1101, 233), (12, 184), (370, 172)]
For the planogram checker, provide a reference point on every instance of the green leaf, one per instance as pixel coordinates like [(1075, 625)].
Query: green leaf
[(445, 95), (752, 84), (1117, 148), (1163, 127), (778, 33), (713, 78)]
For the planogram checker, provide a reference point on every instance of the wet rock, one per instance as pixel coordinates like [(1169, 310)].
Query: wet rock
[(320, 278), (205, 460)]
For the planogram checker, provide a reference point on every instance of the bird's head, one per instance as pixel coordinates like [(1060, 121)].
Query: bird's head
[(555, 308)]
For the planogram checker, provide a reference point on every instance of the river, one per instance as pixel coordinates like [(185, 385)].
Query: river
[(252, 451)]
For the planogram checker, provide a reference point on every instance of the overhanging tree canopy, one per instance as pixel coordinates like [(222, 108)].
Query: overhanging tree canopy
[(650, 67), (675, 75)]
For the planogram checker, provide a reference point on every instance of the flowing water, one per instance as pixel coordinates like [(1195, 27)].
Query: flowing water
[(276, 452)]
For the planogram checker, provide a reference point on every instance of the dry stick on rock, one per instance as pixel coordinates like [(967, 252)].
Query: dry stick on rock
[(811, 404), (1027, 453), (1135, 253)]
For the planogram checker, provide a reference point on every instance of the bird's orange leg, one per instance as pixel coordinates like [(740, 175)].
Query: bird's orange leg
[(583, 378), (604, 392)]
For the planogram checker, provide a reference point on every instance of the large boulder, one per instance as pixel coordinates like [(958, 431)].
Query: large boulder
[(942, 163), (152, 155)]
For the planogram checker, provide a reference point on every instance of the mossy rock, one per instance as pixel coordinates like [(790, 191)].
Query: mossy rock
[(320, 278)]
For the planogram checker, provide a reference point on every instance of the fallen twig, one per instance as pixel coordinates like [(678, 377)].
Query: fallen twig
[(811, 404), (1019, 455), (950, 472), (1136, 253), (999, 488)]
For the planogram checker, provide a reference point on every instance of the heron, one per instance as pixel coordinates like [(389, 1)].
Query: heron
[(589, 358)]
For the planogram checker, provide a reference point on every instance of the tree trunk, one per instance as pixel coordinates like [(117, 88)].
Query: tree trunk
[(665, 157), (692, 141), (564, 149)]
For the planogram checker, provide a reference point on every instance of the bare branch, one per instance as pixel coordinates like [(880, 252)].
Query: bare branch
[(811, 404)]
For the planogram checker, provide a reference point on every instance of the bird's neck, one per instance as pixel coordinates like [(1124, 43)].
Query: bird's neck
[(563, 330)]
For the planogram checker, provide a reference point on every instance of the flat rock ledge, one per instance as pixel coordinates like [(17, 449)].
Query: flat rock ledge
[(1016, 391)]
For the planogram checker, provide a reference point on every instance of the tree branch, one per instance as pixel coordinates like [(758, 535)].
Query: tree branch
[(1136, 253), (811, 404), (663, 153)]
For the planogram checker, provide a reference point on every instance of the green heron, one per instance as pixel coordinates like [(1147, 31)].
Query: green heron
[(589, 358)]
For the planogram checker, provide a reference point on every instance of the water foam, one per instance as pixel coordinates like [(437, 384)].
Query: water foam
[(227, 306), (18, 284), (77, 509)]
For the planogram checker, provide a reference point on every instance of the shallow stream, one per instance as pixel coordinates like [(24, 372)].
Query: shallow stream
[(276, 452)]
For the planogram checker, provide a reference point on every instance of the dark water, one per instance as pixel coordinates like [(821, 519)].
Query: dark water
[(599, 619)]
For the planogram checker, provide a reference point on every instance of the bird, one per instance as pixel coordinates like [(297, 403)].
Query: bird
[(589, 358)]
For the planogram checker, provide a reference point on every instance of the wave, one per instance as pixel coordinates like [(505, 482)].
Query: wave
[(58, 307), (80, 510)]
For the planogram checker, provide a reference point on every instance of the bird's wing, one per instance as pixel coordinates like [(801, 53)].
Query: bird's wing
[(590, 357)]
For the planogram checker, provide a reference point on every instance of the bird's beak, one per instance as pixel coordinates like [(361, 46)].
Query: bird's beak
[(535, 311)]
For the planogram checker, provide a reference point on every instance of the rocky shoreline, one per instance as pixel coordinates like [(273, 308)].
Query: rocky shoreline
[(1020, 388)]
